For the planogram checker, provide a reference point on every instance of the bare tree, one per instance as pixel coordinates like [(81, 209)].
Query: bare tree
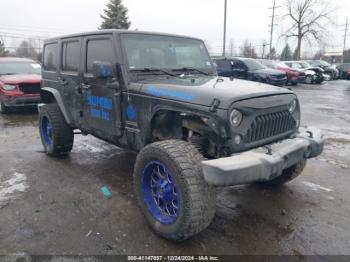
[(247, 50), (3, 51), (308, 20), (26, 49)]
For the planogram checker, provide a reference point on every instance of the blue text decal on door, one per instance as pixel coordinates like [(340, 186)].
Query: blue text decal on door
[(98, 106)]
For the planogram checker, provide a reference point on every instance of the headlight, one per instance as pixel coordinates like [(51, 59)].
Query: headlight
[(235, 118), (9, 87), (292, 106)]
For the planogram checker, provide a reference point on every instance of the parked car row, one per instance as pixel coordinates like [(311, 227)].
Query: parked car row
[(344, 71), (280, 73), (20, 81)]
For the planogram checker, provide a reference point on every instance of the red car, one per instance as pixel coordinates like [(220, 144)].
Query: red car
[(20, 81), (293, 76)]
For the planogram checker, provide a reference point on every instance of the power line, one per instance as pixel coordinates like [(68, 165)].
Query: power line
[(20, 36), (43, 28), (31, 30)]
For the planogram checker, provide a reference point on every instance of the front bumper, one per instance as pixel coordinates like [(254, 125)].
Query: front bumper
[(264, 163), (18, 101), (278, 81)]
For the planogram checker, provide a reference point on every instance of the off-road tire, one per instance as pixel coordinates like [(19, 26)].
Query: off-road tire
[(197, 198), (3, 109), (62, 133), (288, 174)]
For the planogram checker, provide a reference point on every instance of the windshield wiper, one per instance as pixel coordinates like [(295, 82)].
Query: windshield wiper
[(149, 69), (192, 69)]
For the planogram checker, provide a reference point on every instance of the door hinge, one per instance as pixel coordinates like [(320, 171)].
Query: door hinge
[(214, 105)]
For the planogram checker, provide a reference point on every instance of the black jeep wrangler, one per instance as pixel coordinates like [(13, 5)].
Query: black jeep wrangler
[(160, 95)]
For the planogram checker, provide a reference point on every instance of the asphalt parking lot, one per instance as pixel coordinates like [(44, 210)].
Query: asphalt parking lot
[(55, 206)]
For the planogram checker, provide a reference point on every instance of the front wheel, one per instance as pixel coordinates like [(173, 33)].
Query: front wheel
[(56, 135), (308, 80), (170, 188)]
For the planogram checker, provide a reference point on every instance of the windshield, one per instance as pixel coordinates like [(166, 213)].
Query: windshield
[(167, 52), (305, 65), (18, 68), (281, 64), (325, 63), (253, 65)]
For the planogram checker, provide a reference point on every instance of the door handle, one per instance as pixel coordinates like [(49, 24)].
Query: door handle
[(62, 81), (85, 86)]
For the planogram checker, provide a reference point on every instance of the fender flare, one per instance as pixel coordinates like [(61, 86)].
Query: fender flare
[(213, 123), (59, 101)]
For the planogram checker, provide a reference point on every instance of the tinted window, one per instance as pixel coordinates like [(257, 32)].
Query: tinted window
[(223, 64), (238, 65), (253, 65), (50, 57), (71, 56), (98, 50)]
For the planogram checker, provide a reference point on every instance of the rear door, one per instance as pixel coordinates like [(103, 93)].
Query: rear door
[(70, 79), (101, 102)]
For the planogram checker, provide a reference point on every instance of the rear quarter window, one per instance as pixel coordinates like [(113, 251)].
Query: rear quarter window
[(223, 64), (50, 57), (71, 56)]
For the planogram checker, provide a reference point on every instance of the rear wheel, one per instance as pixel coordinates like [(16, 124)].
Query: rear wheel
[(56, 135), (287, 175), (172, 193)]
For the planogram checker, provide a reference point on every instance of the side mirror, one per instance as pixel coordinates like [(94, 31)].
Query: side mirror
[(102, 69)]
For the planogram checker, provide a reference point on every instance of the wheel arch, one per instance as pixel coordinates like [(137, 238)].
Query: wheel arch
[(50, 95), (171, 122)]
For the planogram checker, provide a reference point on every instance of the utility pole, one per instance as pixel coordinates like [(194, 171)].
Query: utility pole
[(345, 36), (274, 7), (346, 33), (263, 49), (224, 45)]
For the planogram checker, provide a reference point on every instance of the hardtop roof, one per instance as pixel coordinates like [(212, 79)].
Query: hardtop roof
[(115, 31)]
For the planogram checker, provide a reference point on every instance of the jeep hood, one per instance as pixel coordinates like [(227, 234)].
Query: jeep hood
[(203, 90)]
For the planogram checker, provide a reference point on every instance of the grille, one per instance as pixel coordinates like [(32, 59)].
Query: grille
[(269, 125), (278, 76), (30, 88)]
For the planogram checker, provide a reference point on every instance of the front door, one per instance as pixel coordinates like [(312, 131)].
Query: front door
[(101, 98)]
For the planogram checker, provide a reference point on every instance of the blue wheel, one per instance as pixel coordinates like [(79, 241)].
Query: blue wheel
[(171, 191), (56, 135), (160, 192), (46, 131)]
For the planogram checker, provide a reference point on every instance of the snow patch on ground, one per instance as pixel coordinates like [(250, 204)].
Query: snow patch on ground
[(316, 187), (8, 188)]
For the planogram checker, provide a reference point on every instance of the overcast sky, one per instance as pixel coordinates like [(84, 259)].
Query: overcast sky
[(247, 19)]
